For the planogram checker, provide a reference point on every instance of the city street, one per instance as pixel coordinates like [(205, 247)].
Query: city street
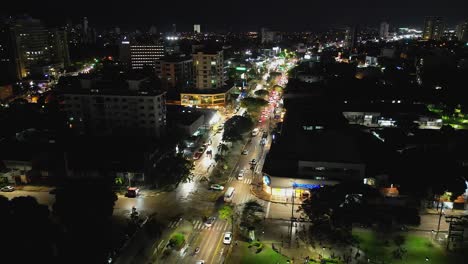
[(194, 202)]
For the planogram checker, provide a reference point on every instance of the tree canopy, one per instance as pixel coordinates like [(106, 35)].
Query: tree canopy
[(261, 93), (84, 210), (226, 212), (235, 127), (253, 104), (174, 169), (250, 218)]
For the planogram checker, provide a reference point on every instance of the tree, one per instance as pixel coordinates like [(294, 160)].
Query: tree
[(250, 218), (30, 232), (226, 212), (338, 206), (223, 148), (177, 240), (175, 170), (235, 127), (261, 93), (252, 104), (84, 210)]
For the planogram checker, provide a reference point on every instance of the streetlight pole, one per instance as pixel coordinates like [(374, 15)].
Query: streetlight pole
[(292, 215)]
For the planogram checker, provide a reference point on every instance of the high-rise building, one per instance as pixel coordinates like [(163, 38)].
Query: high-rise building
[(352, 36), (35, 48), (174, 28), (9, 60), (269, 36), (462, 31), (434, 28), (153, 30), (196, 28), (208, 68), (85, 25), (383, 32), (175, 70), (104, 106), (141, 55)]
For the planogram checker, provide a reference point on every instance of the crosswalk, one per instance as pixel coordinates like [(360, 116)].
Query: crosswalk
[(218, 225), (245, 180)]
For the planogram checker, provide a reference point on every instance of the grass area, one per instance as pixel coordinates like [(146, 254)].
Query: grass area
[(266, 256), (380, 247)]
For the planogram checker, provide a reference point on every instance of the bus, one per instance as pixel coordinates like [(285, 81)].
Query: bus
[(229, 194)]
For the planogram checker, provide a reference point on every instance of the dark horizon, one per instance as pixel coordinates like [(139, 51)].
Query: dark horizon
[(237, 16)]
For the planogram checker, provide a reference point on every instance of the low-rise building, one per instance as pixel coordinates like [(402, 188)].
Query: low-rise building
[(213, 98), (315, 149)]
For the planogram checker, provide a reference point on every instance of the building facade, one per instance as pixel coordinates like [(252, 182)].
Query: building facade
[(95, 110), (208, 69), (211, 100), (9, 59), (383, 32), (143, 55), (29, 45), (175, 71), (462, 31), (196, 28), (434, 28)]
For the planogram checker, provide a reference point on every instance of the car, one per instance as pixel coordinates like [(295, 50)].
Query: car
[(255, 132), (245, 152), (132, 192), (227, 238), (209, 222), (7, 188), (241, 174), (253, 162), (200, 262), (216, 187)]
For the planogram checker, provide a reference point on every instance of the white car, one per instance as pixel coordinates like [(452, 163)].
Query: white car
[(227, 238), (241, 174), (200, 262), (7, 189)]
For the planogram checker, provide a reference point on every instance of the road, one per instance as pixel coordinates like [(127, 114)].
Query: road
[(194, 201)]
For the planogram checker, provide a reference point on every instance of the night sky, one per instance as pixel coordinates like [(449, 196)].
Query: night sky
[(244, 15)]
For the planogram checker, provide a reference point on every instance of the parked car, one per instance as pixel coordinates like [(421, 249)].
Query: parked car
[(209, 222), (7, 188), (200, 262), (253, 162), (245, 152), (217, 187), (227, 238), (132, 192)]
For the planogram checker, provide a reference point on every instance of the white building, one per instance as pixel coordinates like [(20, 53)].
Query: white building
[(97, 107), (145, 55), (196, 28)]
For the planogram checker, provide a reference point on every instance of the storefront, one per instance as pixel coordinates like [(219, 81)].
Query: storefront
[(284, 187)]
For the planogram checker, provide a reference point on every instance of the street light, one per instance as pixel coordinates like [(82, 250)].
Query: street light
[(292, 212)]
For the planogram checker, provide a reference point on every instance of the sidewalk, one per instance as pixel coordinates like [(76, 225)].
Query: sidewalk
[(34, 188)]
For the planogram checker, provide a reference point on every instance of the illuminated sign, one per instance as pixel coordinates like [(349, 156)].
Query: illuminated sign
[(266, 180), (306, 186), (241, 68)]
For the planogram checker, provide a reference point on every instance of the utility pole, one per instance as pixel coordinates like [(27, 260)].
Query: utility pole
[(292, 215)]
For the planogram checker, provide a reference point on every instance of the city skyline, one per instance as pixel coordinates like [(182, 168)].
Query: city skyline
[(299, 15)]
